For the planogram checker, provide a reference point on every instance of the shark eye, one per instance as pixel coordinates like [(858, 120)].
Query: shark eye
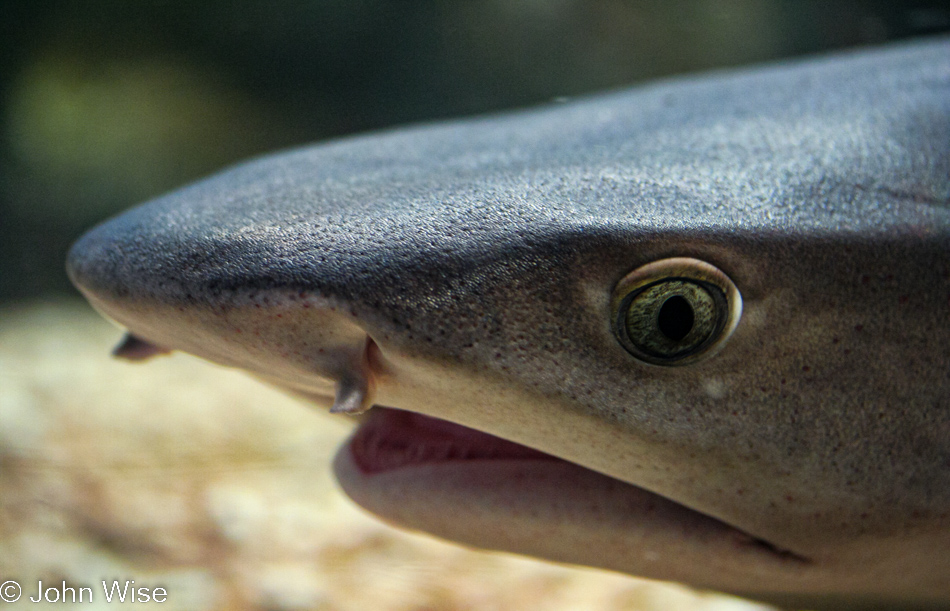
[(675, 311)]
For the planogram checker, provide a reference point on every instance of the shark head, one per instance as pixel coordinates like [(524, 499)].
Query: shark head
[(695, 331)]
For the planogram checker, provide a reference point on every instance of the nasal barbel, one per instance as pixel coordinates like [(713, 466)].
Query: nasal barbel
[(675, 311)]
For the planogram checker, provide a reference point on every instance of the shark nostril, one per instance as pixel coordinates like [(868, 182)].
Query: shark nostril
[(356, 388)]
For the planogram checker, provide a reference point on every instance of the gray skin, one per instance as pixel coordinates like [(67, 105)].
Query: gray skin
[(465, 270)]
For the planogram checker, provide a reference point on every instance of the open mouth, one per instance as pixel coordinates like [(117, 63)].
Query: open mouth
[(390, 440), (425, 473)]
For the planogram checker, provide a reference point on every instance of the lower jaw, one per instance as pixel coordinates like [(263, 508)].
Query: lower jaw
[(405, 445)]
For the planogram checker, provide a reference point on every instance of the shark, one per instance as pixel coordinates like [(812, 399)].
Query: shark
[(697, 330)]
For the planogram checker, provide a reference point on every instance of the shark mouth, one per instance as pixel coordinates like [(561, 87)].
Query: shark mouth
[(392, 443), (469, 486), (392, 439)]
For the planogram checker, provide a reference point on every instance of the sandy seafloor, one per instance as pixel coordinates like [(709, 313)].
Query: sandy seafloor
[(180, 474)]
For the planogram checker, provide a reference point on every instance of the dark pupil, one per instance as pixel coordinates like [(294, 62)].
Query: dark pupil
[(675, 318)]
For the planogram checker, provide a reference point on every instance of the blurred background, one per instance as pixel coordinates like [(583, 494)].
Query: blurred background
[(107, 103)]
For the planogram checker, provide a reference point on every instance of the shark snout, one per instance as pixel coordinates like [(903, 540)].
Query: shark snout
[(180, 291), (92, 263)]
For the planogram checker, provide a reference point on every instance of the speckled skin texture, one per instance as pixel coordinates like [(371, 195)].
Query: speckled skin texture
[(480, 256)]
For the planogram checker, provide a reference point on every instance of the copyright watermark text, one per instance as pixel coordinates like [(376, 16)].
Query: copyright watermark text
[(117, 591)]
